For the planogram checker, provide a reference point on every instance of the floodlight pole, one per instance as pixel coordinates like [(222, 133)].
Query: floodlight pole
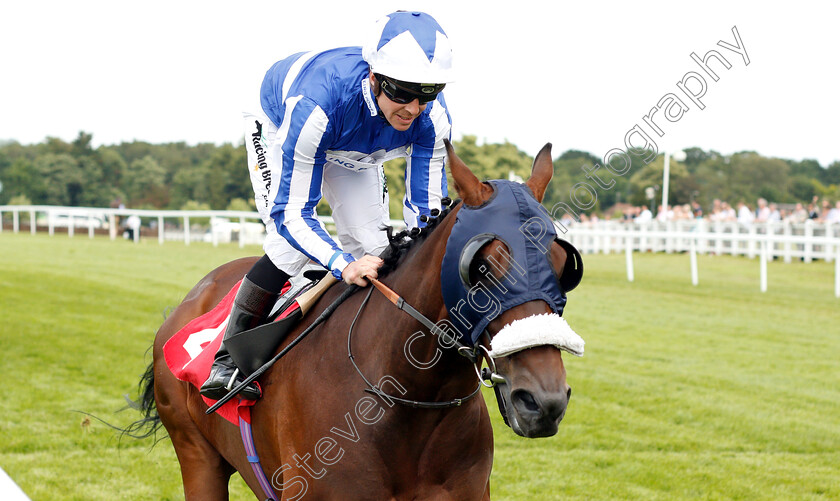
[(666, 175)]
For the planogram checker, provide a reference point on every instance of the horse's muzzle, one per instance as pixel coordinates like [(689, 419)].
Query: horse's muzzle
[(537, 414)]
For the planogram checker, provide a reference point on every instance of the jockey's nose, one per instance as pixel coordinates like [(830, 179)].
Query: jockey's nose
[(413, 107)]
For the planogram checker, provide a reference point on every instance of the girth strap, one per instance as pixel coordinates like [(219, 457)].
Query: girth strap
[(254, 459)]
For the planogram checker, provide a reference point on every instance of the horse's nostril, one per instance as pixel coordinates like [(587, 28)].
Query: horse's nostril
[(569, 393), (527, 400)]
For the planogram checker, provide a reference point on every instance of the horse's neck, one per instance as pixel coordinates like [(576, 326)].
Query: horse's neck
[(418, 276), (417, 280)]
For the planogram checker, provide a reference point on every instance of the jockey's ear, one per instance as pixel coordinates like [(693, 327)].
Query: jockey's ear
[(541, 172), (469, 188)]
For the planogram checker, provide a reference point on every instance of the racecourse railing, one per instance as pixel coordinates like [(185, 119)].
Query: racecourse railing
[(95, 220), (804, 241), (783, 240), (179, 225)]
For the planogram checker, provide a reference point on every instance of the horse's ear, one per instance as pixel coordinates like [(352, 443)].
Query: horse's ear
[(541, 172), (469, 188)]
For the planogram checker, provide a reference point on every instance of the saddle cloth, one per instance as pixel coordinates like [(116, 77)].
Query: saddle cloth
[(190, 352)]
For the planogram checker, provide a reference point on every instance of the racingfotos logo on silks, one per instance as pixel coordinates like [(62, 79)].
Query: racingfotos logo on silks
[(257, 140)]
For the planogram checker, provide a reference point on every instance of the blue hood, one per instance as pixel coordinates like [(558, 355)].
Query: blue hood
[(514, 216)]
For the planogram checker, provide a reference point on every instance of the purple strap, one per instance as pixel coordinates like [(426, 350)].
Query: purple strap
[(251, 454)]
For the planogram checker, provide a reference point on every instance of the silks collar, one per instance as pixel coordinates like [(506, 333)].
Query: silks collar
[(514, 216)]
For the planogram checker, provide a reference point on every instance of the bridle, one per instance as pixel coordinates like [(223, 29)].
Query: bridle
[(474, 354)]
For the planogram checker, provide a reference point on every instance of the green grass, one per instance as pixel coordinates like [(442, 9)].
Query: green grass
[(709, 392)]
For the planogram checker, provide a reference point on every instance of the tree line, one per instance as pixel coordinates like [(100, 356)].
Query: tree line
[(208, 176)]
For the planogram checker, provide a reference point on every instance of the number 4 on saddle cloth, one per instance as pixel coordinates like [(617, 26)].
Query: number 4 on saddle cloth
[(189, 353)]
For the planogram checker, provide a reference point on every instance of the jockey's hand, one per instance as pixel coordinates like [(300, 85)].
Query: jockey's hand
[(355, 272)]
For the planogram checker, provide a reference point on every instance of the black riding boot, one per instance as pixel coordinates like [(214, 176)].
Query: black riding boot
[(251, 307)]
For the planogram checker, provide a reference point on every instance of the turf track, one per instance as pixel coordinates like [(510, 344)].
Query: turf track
[(708, 392)]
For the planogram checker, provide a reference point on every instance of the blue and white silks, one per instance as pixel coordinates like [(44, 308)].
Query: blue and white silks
[(325, 112)]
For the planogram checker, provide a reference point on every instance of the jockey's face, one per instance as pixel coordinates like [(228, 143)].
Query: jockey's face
[(400, 116)]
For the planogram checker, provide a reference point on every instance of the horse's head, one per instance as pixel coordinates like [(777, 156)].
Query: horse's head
[(504, 276)]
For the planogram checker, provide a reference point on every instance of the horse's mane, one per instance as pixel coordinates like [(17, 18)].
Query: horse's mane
[(400, 243)]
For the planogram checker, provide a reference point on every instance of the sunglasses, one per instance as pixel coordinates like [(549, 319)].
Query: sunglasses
[(405, 92)]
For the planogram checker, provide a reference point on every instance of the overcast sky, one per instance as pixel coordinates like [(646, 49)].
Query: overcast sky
[(580, 76)]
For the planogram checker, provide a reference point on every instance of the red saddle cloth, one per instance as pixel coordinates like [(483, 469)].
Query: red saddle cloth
[(190, 353)]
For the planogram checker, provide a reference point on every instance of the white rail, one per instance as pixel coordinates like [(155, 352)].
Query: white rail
[(768, 241), (247, 226), (806, 241), (802, 241)]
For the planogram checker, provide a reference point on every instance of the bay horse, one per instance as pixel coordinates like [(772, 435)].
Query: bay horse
[(321, 434)]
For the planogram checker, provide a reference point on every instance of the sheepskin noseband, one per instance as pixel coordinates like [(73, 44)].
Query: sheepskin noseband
[(547, 329)]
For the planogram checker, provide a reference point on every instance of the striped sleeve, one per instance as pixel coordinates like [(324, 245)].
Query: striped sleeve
[(425, 177), (300, 139)]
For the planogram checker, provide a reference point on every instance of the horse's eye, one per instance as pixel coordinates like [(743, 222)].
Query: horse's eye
[(485, 259), (478, 271), (489, 268)]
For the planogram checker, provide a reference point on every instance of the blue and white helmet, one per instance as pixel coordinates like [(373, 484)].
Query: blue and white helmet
[(410, 46)]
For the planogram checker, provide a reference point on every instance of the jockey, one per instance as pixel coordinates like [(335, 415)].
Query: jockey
[(325, 124)]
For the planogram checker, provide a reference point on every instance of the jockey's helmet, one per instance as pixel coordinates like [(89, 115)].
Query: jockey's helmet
[(411, 49)]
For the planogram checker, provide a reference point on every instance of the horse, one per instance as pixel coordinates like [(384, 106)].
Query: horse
[(323, 432)]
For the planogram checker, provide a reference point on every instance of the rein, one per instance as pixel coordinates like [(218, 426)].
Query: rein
[(468, 352), (486, 377)]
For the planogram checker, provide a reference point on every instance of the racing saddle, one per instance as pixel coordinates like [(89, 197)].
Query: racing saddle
[(251, 349)]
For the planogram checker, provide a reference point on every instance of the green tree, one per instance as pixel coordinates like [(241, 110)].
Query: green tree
[(171, 174), (55, 146), (20, 179), (63, 179), (694, 157), (493, 160), (224, 177), (20, 200), (579, 174), (680, 182), (395, 176), (94, 192), (81, 146), (713, 178), (241, 204), (193, 205), (113, 166), (183, 186), (145, 182), (488, 161), (754, 176), (807, 168), (831, 175), (803, 188)]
